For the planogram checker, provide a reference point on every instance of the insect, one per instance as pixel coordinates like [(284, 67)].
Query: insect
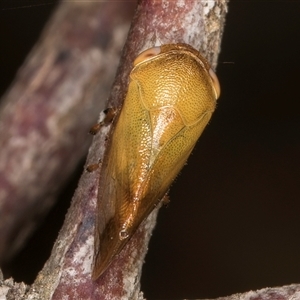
[(171, 96)]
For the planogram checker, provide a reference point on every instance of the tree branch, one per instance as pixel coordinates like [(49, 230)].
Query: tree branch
[(68, 270), (46, 114)]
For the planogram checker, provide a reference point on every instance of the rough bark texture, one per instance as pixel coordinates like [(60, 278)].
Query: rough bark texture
[(17, 291), (67, 274), (288, 292), (46, 114), (68, 270)]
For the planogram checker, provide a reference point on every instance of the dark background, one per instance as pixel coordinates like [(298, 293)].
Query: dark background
[(233, 221)]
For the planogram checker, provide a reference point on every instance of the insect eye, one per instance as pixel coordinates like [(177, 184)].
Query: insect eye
[(146, 55), (216, 83)]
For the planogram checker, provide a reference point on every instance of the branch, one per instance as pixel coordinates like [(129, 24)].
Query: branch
[(287, 292), (47, 112), (16, 291), (68, 270)]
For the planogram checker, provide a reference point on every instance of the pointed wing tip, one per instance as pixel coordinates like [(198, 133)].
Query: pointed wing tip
[(109, 248), (100, 267), (96, 274)]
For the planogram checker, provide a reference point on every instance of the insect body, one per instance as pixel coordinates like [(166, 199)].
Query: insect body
[(171, 96)]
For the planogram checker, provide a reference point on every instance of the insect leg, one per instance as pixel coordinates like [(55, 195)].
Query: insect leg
[(109, 116), (166, 200), (93, 167)]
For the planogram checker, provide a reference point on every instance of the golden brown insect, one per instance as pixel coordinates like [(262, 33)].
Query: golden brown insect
[(171, 96)]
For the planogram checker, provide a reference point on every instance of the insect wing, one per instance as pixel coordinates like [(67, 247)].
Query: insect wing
[(170, 100)]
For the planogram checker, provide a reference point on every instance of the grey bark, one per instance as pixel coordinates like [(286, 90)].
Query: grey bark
[(47, 112), (67, 273)]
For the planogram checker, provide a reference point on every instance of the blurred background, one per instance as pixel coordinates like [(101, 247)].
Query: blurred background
[(233, 221)]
